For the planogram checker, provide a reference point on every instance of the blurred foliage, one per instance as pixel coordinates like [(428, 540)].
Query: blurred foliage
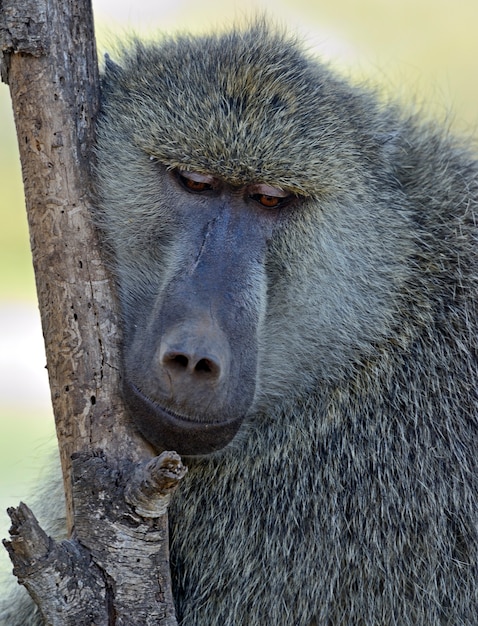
[(16, 274)]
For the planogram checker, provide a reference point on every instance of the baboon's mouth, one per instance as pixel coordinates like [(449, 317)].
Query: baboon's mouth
[(167, 430), (177, 417)]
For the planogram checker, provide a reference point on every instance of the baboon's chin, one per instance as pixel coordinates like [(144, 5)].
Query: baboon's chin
[(166, 430)]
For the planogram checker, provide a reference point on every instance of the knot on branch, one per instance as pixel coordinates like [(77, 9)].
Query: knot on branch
[(150, 487)]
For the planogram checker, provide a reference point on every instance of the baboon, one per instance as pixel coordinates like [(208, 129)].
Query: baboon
[(297, 274)]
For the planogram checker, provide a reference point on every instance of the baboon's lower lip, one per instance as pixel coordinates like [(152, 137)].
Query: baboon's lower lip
[(182, 419), (167, 430)]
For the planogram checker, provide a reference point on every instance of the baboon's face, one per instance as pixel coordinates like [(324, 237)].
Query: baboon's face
[(257, 228), (191, 350)]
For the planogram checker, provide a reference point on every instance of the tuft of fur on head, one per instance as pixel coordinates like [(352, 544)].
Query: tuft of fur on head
[(257, 119)]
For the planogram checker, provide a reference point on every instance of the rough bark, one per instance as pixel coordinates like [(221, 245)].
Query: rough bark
[(49, 62)]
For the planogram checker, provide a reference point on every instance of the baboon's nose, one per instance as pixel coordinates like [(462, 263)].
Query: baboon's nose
[(192, 363), (194, 359)]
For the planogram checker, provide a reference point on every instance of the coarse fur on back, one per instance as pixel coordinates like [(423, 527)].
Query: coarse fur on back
[(349, 495)]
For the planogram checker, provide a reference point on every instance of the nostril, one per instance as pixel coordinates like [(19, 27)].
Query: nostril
[(207, 366), (180, 359), (176, 359), (181, 362)]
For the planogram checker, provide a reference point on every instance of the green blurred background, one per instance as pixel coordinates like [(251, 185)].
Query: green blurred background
[(425, 51)]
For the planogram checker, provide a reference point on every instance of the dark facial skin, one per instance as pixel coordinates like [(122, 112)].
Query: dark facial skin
[(191, 355)]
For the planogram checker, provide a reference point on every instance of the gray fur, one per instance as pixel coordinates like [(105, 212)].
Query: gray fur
[(350, 494)]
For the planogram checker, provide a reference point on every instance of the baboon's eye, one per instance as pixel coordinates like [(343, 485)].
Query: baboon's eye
[(271, 202), (192, 181), (269, 197)]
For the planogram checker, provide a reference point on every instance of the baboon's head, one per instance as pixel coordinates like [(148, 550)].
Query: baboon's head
[(249, 201)]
